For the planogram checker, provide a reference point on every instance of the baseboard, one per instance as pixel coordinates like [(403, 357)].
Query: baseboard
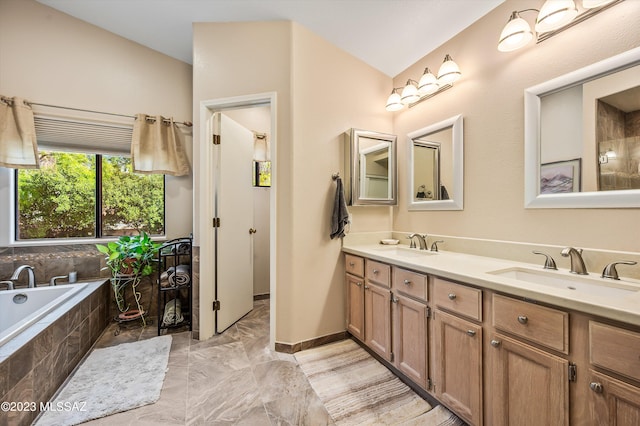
[(261, 296), (289, 348)]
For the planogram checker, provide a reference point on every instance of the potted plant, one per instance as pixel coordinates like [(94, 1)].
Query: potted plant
[(129, 258)]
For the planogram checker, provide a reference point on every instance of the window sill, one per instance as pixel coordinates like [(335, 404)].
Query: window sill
[(71, 241)]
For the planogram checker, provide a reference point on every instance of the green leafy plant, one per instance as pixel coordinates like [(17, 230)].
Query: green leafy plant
[(129, 258)]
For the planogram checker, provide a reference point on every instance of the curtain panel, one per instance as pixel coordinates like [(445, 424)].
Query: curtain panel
[(18, 144)]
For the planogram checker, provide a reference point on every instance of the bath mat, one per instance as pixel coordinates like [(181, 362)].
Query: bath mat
[(111, 380), (356, 389)]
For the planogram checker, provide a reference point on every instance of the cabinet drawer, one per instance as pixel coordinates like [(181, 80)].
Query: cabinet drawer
[(409, 283), (545, 326), (458, 298), (354, 265), (377, 272), (615, 349)]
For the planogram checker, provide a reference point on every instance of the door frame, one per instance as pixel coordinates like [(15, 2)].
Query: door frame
[(207, 207)]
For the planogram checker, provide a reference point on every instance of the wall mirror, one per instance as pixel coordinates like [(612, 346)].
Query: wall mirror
[(436, 170), (582, 137), (370, 169)]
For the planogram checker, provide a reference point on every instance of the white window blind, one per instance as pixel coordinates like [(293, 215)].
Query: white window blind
[(81, 135)]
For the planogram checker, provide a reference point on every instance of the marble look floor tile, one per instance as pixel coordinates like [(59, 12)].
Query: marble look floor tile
[(280, 379), (304, 409), (207, 363)]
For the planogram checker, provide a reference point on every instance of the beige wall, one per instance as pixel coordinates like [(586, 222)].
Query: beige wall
[(490, 97), (52, 58)]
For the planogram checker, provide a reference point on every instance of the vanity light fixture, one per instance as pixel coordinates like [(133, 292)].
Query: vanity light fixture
[(553, 17), (428, 86)]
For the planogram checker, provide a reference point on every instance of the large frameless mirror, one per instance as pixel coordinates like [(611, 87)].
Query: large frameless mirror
[(370, 168), (582, 137), (435, 172)]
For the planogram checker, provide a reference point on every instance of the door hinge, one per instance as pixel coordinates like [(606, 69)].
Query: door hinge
[(215, 139), (573, 372), (216, 222), (216, 305), (428, 312), (391, 358), (429, 384)]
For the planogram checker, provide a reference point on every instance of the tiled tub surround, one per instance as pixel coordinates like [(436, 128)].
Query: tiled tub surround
[(37, 361)]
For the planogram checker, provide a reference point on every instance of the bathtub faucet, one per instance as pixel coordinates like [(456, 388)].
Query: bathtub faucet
[(30, 275)]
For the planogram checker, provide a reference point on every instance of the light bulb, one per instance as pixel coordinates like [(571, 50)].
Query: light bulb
[(516, 34), (555, 14), (448, 72), (409, 93), (393, 102), (428, 83)]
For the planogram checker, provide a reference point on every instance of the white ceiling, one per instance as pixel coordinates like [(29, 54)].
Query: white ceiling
[(390, 35)]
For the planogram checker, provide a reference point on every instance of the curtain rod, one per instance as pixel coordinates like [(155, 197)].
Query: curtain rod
[(184, 123)]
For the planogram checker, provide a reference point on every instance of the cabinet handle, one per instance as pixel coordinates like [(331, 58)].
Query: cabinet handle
[(471, 333), (522, 319), (352, 264), (407, 282), (495, 343), (596, 387), (359, 284), (452, 296)]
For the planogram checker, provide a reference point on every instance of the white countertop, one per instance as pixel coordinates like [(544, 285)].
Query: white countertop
[(472, 269)]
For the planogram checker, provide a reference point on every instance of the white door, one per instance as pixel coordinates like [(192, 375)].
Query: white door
[(233, 205)]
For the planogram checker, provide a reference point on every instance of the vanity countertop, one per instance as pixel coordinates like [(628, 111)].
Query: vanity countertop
[(473, 269)]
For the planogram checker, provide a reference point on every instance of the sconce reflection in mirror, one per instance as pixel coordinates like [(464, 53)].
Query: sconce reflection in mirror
[(428, 86), (553, 17)]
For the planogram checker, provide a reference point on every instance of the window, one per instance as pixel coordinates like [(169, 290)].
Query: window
[(78, 195)]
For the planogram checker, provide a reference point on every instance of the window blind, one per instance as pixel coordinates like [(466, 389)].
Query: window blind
[(99, 137)]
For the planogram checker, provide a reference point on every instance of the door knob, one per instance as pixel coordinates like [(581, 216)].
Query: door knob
[(252, 230)]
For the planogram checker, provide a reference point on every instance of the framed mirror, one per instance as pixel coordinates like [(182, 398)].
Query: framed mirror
[(436, 166), (371, 168), (582, 137)]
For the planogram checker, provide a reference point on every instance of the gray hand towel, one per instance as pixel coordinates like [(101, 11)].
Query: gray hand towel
[(340, 216)]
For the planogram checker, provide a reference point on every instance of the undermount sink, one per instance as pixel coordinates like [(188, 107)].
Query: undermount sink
[(401, 251), (581, 283)]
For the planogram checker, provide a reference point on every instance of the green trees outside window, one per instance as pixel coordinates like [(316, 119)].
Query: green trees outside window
[(60, 199)]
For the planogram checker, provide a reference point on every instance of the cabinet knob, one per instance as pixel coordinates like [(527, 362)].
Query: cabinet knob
[(596, 387), (452, 296), (495, 343), (359, 284), (375, 271), (366, 287), (394, 300), (352, 264), (407, 282), (523, 319), (471, 333)]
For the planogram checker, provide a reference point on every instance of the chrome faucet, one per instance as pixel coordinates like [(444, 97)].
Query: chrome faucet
[(577, 264), (611, 272), (30, 274), (9, 284), (422, 239)]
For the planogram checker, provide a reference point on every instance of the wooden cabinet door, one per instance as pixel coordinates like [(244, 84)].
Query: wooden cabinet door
[(377, 324), (355, 306), (458, 365), (530, 387), (410, 338), (612, 402)]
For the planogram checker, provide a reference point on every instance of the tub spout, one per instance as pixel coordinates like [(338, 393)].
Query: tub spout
[(30, 275), (9, 284)]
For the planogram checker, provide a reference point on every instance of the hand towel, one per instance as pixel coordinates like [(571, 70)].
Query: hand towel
[(175, 276), (340, 216), (172, 312)]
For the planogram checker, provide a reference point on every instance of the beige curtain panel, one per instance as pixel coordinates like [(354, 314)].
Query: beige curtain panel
[(157, 146), (18, 145)]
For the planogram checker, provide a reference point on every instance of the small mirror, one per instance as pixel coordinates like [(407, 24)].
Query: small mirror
[(436, 166), (582, 137), (371, 168)]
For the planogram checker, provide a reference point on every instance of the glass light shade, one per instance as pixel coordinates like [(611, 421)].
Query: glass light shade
[(448, 72), (393, 102), (555, 14), (409, 93), (428, 83), (516, 34), (591, 4)]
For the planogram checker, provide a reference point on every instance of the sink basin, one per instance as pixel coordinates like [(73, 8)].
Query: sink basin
[(401, 251), (581, 283)]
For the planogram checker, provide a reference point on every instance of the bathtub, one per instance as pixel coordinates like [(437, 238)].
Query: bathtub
[(21, 308)]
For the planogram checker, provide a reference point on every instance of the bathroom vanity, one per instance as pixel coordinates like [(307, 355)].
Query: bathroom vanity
[(494, 348)]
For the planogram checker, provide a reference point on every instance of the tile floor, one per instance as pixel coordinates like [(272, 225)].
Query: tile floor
[(230, 379)]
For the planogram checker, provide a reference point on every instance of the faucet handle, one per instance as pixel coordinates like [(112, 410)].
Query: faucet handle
[(413, 243), (434, 245), (610, 270), (549, 263)]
